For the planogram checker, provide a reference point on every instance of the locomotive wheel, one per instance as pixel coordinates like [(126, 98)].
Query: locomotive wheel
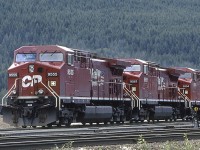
[(49, 125), (83, 123), (175, 118), (68, 124), (105, 123), (117, 122), (34, 126), (24, 126)]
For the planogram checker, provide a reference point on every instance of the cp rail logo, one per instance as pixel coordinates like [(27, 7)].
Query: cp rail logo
[(30, 81)]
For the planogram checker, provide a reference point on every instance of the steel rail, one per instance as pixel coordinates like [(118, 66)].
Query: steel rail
[(95, 138), (120, 128)]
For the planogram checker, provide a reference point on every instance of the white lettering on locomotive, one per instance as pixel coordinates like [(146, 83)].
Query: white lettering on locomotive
[(52, 74), (97, 77), (70, 72), (186, 85), (30, 81)]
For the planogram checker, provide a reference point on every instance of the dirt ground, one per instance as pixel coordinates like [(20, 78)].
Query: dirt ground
[(3, 125)]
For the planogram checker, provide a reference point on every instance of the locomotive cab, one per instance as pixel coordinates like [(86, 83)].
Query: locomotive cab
[(140, 78), (34, 85)]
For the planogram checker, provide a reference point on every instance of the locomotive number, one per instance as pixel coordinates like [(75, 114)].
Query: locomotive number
[(186, 86), (133, 81), (52, 74), (12, 75)]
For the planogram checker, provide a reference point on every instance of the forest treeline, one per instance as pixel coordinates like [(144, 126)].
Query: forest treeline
[(163, 31)]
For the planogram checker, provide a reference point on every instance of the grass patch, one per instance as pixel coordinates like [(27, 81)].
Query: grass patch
[(186, 144)]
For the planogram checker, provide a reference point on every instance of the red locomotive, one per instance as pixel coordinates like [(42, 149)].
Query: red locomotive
[(189, 85), (154, 90), (56, 85)]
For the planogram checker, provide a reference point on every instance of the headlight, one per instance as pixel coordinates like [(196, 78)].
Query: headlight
[(40, 91), (31, 68), (14, 92)]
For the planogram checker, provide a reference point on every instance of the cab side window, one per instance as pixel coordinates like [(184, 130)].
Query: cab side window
[(146, 69), (70, 59), (195, 77)]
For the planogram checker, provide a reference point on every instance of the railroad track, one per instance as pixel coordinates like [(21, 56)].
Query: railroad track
[(127, 124), (26, 139), (91, 129)]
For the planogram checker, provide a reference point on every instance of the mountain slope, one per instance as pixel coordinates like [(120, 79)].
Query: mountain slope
[(163, 31)]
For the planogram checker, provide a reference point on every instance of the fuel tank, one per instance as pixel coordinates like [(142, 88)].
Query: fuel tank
[(97, 113)]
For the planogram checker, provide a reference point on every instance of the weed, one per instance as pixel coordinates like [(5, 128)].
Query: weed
[(66, 146), (142, 143)]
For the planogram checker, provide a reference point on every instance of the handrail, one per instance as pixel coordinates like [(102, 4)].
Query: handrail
[(184, 96), (133, 96), (56, 95), (50, 92), (9, 92), (48, 88)]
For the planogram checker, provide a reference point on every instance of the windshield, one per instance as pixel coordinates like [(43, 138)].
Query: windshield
[(133, 68), (186, 75), (51, 56), (25, 57)]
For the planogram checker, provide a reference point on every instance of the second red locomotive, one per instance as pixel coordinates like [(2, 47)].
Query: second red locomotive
[(155, 91)]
